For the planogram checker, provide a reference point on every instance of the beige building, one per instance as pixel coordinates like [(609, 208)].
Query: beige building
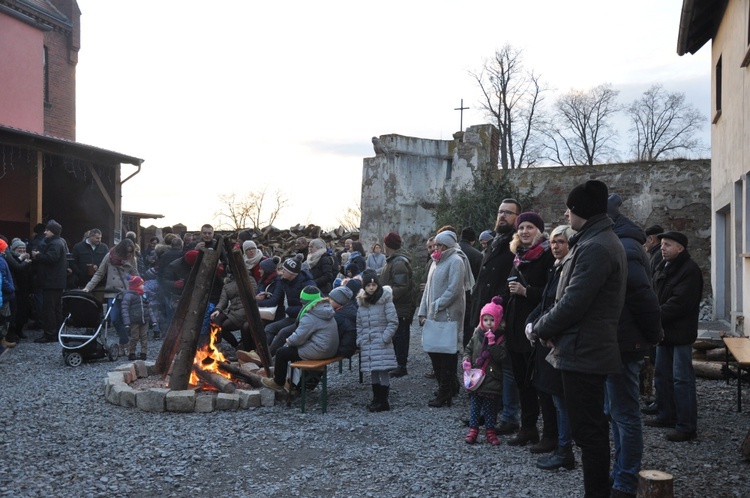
[(726, 23)]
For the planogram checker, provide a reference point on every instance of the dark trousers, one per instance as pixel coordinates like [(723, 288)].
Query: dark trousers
[(401, 340), (549, 415), (444, 366), (227, 327), (584, 399), (526, 393), (284, 355), (52, 313)]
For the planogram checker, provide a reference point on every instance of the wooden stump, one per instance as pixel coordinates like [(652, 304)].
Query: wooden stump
[(655, 484)]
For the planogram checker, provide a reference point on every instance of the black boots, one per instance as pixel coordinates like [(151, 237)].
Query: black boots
[(562, 457), (525, 435), (380, 398)]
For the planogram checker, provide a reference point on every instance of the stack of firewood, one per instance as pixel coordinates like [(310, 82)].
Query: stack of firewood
[(276, 242), (709, 360)]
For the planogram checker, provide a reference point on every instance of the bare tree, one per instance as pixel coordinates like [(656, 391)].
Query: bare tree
[(511, 97), (351, 218), (581, 132), (249, 211), (663, 124)]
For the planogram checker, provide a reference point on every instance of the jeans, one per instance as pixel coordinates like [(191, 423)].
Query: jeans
[(278, 332), (401, 340), (115, 317), (511, 404), (564, 436), (584, 398), (622, 405), (674, 379)]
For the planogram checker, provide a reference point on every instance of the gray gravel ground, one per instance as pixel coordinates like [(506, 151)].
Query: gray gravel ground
[(60, 438)]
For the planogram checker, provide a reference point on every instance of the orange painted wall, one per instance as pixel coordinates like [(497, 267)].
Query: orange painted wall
[(21, 75)]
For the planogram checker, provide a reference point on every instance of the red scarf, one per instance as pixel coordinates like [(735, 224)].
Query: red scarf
[(532, 254)]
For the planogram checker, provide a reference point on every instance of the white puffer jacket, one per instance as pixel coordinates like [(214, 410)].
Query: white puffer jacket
[(376, 325)]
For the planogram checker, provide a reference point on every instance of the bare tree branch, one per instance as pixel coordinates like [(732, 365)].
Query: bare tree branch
[(251, 209), (510, 97), (663, 124)]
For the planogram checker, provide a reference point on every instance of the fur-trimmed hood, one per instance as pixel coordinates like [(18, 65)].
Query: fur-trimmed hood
[(387, 296)]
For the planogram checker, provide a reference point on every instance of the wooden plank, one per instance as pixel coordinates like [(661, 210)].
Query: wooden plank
[(315, 364), (247, 296), (199, 296), (740, 349)]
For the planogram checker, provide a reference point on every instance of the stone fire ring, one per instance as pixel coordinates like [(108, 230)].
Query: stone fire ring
[(118, 391)]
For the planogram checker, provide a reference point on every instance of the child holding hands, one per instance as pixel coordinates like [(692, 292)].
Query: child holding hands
[(486, 350)]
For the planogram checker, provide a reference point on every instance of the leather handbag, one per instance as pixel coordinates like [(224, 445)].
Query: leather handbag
[(440, 337)]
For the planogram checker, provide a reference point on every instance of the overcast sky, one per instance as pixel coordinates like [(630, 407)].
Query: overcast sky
[(234, 96)]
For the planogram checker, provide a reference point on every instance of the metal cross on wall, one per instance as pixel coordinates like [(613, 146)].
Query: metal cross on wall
[(462, 108)]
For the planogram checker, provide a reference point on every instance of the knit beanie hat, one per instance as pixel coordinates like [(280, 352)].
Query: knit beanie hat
[(370, 276), (293, 265), (355, 285), (341, 295), (469, 234), (588, 199), (486, 235), (614, 201), (393, 241), (310, 293), (495, 309), (191, 257), (15, 245), (532, 218), (3, 245), (269, 265), (447, 238), (54, 227), (248, 244)]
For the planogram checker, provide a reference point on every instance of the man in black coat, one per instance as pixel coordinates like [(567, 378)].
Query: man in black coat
[(52, 267), (491, 281), (638, 331), (582, 327), (679, 286), (653, 246), (87, 255)]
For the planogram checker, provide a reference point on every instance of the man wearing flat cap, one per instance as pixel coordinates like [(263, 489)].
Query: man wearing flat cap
[(678, 282), (653, 246), (581, 328)]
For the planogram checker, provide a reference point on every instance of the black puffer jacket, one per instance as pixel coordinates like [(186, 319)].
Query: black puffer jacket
[(679, 287), (640, 325), (346, 321)]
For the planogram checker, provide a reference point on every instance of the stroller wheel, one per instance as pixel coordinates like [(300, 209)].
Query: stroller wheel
[(73, 359), (112, 351)]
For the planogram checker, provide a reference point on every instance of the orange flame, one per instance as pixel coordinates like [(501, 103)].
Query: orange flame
[(206, 353)]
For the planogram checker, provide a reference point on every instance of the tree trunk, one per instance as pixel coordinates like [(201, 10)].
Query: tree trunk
[(655, 484)]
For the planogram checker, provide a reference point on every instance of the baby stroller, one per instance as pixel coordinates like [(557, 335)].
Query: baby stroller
[(81, 335)]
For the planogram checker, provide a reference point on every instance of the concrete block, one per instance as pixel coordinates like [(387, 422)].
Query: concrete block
[(127, 396), (115, 393), (141, 370), (267, 397), (205, 403), (249, 399), (151, 366), (180, 401), (128, 370), (116, 377), (152, 400), (227, 401)]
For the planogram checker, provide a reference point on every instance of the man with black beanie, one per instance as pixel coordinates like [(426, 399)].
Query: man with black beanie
[(581, 327)]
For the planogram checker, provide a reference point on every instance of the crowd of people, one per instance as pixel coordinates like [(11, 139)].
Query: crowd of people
[(554, 323)]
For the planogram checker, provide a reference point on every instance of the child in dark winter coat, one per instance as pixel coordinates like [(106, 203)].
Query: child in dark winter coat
[(486, 350), (136, 315)]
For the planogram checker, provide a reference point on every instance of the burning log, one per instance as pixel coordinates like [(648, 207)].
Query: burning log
[(199, 296), (218, 381), (238, 373)]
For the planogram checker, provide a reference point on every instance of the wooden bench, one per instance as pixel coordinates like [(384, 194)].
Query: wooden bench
[(316, 369), (740, 349)]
